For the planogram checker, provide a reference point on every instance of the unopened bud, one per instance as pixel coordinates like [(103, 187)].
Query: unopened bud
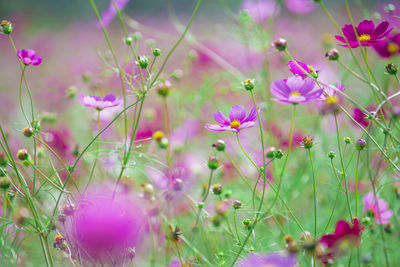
[(213, 163), (391, 69), (361, 144), (22, 154), (216, 189), (347, 140), (236, 204), (331, 154), (307, 142), (157, 52), (249, 84), (27, 131), (164, 88), (142, 61), (219, 145), (6, 27), (332, 54), (5, 183), (280, 44)]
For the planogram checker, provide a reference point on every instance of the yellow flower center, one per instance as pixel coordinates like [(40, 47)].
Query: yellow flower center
[(58, 237), (393, 48), (365, 37), (310, 68), (332, 100), (158, 135), (235, 124), (295, 94), (99, 102)]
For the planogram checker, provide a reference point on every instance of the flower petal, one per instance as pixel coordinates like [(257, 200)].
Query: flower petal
[(237, 113), (221, 118)]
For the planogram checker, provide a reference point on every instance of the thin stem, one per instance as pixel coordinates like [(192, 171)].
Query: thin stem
[(356, 182), (343, 169), (315, 193), (208, 186), (245, 153)]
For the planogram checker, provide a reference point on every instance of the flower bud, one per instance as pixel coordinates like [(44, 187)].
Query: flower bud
[(71, 92), (280, 44), (347, 140), (219, 145), (332, 54), (389, 8), (23, 154), (36, 125), (164, 143), (157, 52), (27, 131), (6, 27), (331, 154), (391, 69), (279, 154), (360, 144), (137, 36), (5, 183), (213, 163), (158, 136), (142, 61), (164, 88), (3, 159), (270, 152), (216, 189), (236, 204), (307, 142), (228, 193), (200, 205), (246, 222), (128, 40), (151, 43), (249, 84)]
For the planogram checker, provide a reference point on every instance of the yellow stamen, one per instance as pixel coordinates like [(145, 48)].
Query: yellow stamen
[(58, 237), (393, 48), (295, 94), (235, 124), (99, 102), (332, 100), (365, 37), (158, 135), (310, 68)]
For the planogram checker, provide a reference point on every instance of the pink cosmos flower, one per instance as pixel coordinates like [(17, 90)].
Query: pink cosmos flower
[(103, 227), (99, 103), (331, 98), (382, 215), (299, 6), (29, 57), (388, 47), (362, 118), (367, 32), (300, 68), (345, 237), (272, 259), (108, 15), (260, 10), (237, 120), (295, 90)]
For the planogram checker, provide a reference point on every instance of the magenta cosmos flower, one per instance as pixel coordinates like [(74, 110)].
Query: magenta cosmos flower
[(298, 68), (388, 47), (382, 215), (294, 90), (367, 32), (331, 98), (344, 238), (237, 120), (29, 57), (103, 227), (272, 259), (99, 103)]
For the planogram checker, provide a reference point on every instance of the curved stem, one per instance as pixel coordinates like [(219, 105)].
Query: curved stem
[(315, 193)]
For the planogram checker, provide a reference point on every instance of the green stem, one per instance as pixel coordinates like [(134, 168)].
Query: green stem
[(315, 193), (356, 182), (343, 169)]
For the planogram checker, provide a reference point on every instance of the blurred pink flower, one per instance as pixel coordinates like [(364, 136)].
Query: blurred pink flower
[(300, 6), (380, 212), (261, 10), (104, 227), (108, 15)]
